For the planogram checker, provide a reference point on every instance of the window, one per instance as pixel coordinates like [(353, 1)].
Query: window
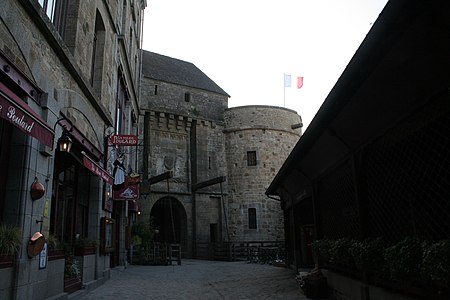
[(122, 97), (98, 49), (251, 158), (124, 15), (156, 90), (252, 218), (56, 10), (130, 41), (187, 97), (94, 50)]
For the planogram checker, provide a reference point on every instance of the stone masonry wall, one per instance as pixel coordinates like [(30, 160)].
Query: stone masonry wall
[(267, 131), (170, 98), (169, 149)]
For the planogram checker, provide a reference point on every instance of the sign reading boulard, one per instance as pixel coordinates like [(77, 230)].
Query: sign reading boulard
[(124, 140), (18, 113)]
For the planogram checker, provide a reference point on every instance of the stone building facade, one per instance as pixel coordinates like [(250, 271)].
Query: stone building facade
[(68, 68), (189, 130), (183, 133)]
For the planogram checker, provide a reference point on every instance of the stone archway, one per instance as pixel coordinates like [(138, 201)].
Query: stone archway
[(172, 228)]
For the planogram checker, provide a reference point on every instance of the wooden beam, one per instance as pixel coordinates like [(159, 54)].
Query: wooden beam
[(160, 177), (206, 183)]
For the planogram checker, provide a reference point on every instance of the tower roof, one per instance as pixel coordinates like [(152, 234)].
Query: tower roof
[(176, 71)]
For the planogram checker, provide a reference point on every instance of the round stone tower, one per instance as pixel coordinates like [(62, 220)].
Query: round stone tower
[(258, 139)]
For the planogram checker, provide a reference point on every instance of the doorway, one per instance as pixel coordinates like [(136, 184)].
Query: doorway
[(169, 217)]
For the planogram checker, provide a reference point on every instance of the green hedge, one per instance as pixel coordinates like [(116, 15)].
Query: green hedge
[(408, 260)]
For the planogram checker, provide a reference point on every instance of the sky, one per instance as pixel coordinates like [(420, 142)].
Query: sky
[(246, 46)]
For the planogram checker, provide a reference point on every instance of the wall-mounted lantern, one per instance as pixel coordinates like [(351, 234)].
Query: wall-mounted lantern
[(65, 142)]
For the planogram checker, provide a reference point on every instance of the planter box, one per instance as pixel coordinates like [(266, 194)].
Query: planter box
[(55, 254), (316, 288), (6, 275), (71, 285), (6, 261), (87, 250)]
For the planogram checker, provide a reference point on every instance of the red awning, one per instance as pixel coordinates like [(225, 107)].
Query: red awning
[(96, 169), (17, 112)]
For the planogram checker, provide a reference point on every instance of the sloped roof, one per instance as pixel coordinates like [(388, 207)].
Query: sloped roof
[(172, 70)]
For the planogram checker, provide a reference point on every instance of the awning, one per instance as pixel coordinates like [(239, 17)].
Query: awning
[(17, 112), (96, 169)]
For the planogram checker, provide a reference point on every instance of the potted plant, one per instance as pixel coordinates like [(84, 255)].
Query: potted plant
[(10, 242), (142, 237), (314, 284), (56, 249)]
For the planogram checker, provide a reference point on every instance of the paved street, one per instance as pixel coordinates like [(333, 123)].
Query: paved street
[(198, 279)]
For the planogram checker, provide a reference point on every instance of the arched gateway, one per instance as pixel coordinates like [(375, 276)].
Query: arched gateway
[(169, 217)]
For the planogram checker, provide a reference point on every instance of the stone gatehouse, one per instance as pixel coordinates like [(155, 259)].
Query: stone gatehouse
[(222, 159)]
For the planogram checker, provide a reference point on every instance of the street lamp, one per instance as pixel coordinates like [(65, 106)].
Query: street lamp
[(65, 142)]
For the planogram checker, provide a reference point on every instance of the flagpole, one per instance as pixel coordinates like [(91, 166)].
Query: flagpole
[(284, 90)]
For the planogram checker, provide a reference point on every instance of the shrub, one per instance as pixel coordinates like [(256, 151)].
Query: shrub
[(340, 254), (436, 263), (368, 254), (144, 231), (322, 250), (403, 260), (71, 268)]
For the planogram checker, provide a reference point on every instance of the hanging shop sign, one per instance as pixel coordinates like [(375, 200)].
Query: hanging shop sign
[(129, 190), (124, 140), (18, 113), (96, 169)]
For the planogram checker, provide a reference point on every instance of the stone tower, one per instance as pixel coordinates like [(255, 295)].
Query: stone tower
[(258, 139)]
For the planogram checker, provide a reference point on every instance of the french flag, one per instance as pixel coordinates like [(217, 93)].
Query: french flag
[(299, 82)]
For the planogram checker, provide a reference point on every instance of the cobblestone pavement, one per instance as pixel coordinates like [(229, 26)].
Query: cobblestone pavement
[(199, 279)]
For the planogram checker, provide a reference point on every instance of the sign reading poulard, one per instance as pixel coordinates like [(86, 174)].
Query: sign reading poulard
[(125, 187), (124, 140)]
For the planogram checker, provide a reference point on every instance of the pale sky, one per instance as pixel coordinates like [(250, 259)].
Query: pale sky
[(246, 46)]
